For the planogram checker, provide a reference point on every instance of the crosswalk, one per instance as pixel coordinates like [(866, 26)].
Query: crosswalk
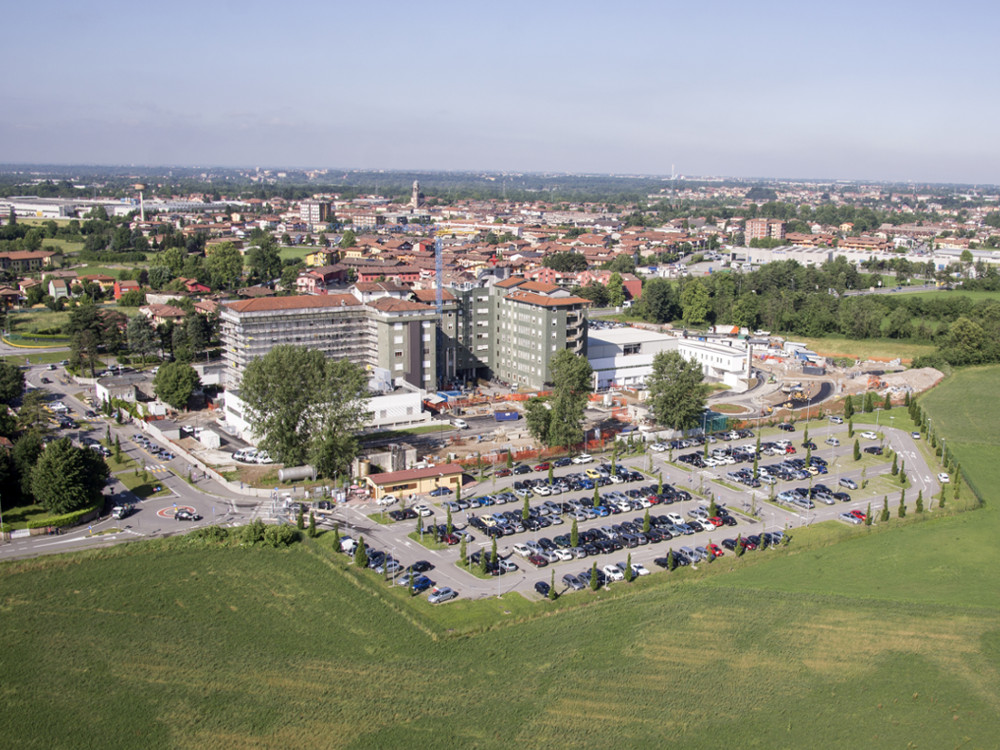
[(157, 469)]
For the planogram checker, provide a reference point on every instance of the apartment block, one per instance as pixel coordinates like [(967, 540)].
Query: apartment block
[(758, 229), (314, 212)]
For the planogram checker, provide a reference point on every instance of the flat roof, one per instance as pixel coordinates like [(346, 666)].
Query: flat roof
[(408, 475), (619, 336)]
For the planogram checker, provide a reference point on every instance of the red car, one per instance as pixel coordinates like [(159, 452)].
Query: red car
[(544, 466), (450, 539), (748, 544), (502, 473), (790, 449), (714, 549), (538, 561), (715, 521), (858, 514)]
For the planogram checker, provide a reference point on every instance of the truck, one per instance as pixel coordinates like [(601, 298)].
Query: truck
[(508, 415), (121, 511)]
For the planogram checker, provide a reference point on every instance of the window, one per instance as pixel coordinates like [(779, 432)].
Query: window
[(398, 354)]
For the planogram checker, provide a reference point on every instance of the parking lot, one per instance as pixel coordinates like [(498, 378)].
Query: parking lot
[(646, 506)]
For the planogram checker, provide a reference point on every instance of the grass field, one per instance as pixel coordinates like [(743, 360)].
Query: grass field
[(37, 319), (886, 349), (850, 637), (974, 294)]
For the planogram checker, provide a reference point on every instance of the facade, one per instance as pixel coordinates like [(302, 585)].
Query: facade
[(415, 481), (314, 212), (624, 356), (759, 229), (725, 360)]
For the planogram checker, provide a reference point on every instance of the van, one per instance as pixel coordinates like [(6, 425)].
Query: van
[(460, 424)]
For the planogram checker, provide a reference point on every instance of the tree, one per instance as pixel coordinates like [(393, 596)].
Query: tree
[(629, 573), (676, 391), (885, 509), (300, 519), (361, 554), (695, 304), (595, 582), (902, 473), (901, 511), (920, 502), (574, 535), (225, 264), (616, 290), (263, 260), (895, 464), (67, 477), (11, 382), (671, 560), (525, 511), (462, 551), (493, 551), (552, 587), (659, 303), (597, 497), (646, 523), (33, 413), (349, 239), (174, 383), (336, 537), (27, 450), (857, 451), (850, 428), (306, 406), (848, 407), (869, 405), (141, 335), (447, 520), (868, 515), (571, 385), (538, 419)]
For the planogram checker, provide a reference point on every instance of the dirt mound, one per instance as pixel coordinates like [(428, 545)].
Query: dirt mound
[(918, 380)]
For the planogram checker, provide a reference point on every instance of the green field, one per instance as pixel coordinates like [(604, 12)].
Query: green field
[(886, 349), (974, 294), (850, 637)]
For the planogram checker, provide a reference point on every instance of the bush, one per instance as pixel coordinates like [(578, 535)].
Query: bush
[(280, 536), (253, 532), (66, 519), (216, 534)]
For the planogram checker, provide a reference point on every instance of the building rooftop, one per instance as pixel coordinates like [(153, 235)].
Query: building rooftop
[(303, 302)]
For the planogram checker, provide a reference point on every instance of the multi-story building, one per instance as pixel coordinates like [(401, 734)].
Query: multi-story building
[(509, 330), (758, 229), (314, 212)]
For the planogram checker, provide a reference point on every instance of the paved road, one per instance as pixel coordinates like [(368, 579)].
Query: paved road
[(153, 516)]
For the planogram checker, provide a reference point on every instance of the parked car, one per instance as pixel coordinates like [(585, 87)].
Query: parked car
[(583, 458), (832, 441), (874, 450), (869, 435), (542, 588), (849, 518), (837, 420), (441, 595), (440, 492), (848, 483), (943, 478)]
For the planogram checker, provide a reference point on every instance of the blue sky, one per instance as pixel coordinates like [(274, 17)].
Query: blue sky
[(849, 90)]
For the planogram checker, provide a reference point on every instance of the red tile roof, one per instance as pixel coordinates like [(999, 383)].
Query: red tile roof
[(304, 302), (543, 301)]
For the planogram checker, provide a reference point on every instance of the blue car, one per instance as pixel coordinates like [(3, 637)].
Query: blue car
[(586, 484), (440, 492), (422, 584)]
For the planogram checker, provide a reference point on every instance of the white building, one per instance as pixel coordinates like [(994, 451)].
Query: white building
[(725, 360), (624, 356)]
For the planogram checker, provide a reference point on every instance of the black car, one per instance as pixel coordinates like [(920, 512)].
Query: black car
[(787, 427), (562, 462), (874, 450), (421, 566), (186, 515), (522, 469), (542, 588)]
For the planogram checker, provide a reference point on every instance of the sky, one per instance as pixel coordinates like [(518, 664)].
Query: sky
[(850, 90)]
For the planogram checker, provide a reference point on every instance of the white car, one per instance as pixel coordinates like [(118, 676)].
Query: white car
[(583, 458), (675, 518), (387, 500), (658, 447), (522, 549), (423, 510), (614, 573), (832, 441), (638, 569), (563, 554), (869, 435), (943, 478)]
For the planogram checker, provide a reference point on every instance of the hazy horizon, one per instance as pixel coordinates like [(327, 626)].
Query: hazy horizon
[(850, 92)]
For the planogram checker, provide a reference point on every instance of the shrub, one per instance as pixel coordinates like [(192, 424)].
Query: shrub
[(216, 534), (66, 519), (253, 532)]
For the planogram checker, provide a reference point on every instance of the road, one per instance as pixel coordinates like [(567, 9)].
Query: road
[(154, 515)]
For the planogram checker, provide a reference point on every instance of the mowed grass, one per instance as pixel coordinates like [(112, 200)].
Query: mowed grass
[(265, 648), (884, 349), (975, 295), (849, 638)]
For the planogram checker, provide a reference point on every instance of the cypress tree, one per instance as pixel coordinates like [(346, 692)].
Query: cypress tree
[(552, 587), (447, 522), (885, 509), (300, 520), (312, 524), (895, 465), (902, 473), (646, 525), (848, 407), (462, 552), (493, 552), (595, 583), (671, 560), (629, 575), (597, 496), (850, 428), (336, 537), (868, 515), (857, 451), (920, 501), (902, 504), (360, 554), (525, 511), (574, 535)]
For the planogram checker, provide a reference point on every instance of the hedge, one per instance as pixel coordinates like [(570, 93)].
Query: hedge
[(67, 519)]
